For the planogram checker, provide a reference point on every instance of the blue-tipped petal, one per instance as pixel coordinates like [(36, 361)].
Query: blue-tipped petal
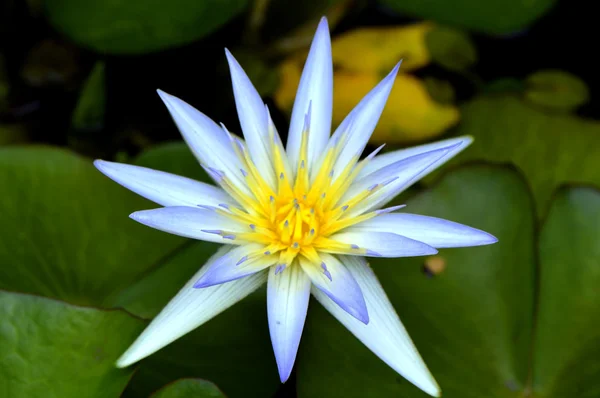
[(253, 119), (197, 129), (457, 144), (315, 90), (338, 284), (383, 244), (360, 123), (234, 265), (393, 179), (384, 335), (435, 232), (190, 222), (163, 188), (288, 293)]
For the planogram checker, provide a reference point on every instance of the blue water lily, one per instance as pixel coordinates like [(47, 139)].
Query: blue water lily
[(302, 218)]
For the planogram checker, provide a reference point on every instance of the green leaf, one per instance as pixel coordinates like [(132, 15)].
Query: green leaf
[(55, 350), (567, 354), (89, 111), (65, 228), (451, 48), (493, 16), (189, 388), (471, 318), (549, 148), (556, 90), (139, 26)]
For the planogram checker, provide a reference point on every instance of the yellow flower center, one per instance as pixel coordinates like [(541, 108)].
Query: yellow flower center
[(298, 216)]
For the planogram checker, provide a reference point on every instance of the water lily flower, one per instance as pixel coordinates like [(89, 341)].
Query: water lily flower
[(302, 218)]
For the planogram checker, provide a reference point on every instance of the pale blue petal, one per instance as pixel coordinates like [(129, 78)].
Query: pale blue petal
[(253, 119), (209, 143), (288, 294), (356, 129), (333, 279), (234, 265), (163, 188), (384, 335), (457, 144), (315, 91), (392, 179), (435, 232), (189, 309), (383, 244), (192, 223)]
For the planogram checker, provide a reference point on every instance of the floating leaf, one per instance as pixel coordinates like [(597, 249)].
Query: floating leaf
[(56, 350), (472, 323), (493, 16), (567, 354), (66, 233), (139, 26), (556, 90), (189, 388), (549, 148)]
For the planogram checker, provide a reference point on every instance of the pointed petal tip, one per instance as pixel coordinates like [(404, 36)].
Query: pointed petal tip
[(284, 372), (323, 24), (100, 164)]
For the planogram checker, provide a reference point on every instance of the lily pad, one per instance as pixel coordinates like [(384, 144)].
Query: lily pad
[(493, 16), (567, 354), (66, 232), (549, 148), (189, 388), (139, 26), (556, 90), (471, 318), (57, 350)]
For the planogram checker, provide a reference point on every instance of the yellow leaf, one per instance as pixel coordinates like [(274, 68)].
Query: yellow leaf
[(377, 50), (410, 113)]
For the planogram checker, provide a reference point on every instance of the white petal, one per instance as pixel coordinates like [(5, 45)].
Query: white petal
[(192, 223), (163, 188), (333, 279), (394, 178), (315, 91), (384, 335), (394, 156), (360, 123), (287, 302), (189, 309), (209, 143), (383, 244), (253, 119), (435, 232), (234, 265)]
